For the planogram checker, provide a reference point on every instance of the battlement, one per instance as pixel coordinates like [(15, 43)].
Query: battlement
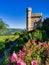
[(36, 15)]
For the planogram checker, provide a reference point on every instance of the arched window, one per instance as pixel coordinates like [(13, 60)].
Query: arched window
[(35, 23)]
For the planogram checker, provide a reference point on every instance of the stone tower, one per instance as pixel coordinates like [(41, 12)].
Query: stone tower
[(28, 23), (32, 20)]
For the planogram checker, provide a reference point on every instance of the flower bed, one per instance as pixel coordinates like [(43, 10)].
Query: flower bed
[(31, 54)]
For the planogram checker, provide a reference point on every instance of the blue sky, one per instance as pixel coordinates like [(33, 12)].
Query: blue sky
[(13, 12)]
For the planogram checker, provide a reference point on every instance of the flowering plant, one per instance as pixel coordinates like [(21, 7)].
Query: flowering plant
[(31, 54)]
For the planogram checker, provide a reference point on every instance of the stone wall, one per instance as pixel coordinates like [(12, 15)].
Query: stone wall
[(32, 20)]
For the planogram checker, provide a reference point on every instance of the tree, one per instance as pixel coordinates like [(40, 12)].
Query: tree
[(46, 26), (3, 26)]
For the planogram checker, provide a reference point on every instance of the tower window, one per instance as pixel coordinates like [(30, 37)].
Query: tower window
[(35, 24)]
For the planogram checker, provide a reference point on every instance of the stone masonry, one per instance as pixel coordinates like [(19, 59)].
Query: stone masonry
[(32, 20)]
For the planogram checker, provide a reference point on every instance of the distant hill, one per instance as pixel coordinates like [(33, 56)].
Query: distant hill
[(12, 31)]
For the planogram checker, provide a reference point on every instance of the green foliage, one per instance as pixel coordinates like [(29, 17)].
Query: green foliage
[(5, 61), (30, 36), (44, 35), (17, 33), (3, 26), (6, 41), (46, 26), (37, 34)]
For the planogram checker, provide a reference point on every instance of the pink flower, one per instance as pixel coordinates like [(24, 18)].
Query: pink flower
[(13, 57), (43, 44), (34, 62), (8, 64), (33, 41), (17, 64), (22, 54), (29, 50), (21, 62)]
